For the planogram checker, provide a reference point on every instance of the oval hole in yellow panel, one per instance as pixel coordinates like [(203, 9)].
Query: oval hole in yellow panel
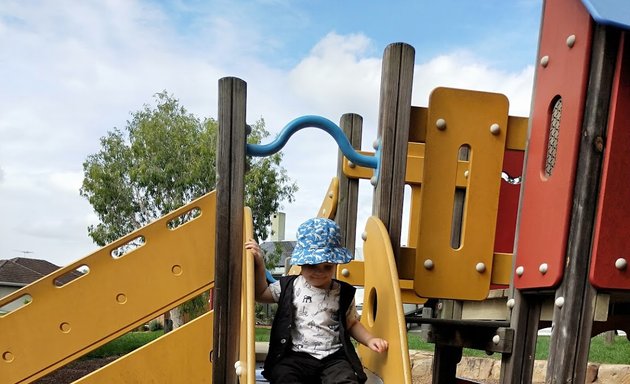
[(183, 218), (553, 133), (71, 275), (15, 304), (372, 306), (128, 247), (459, 200)]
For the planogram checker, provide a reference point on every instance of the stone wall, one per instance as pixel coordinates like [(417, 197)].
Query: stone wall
[(488, 370)]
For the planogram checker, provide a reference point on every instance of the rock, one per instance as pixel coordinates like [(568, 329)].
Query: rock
[(613, 374)]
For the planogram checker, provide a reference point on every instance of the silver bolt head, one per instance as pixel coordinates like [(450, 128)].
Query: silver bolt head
[(374, 180), (440, 124), (428, 264), (496, 339), (520, 270), (480, 267), (351, 164), (571, 41), (559, 302), (543, 268), (364, 236), (510, 303), (544, 61), (621, 263), (345, 272), (376, 143), (495, 129)]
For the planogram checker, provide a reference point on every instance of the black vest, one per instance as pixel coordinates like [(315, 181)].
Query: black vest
[(280, 339)]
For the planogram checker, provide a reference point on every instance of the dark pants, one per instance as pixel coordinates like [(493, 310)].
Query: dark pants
[(302, 368)]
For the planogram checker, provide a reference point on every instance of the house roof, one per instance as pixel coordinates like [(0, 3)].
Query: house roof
[(23, 271)]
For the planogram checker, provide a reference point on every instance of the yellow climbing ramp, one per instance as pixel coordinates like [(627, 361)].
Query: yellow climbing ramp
[(122, 286)]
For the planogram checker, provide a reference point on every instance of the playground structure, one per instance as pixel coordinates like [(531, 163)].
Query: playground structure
[(496, 259)]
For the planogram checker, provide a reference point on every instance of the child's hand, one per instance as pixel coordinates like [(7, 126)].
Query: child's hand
[(377, 344), (254, 248)]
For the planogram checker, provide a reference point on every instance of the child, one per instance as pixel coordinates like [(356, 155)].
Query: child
[(310, 336)]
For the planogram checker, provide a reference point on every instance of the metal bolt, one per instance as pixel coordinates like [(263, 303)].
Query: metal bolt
[(345, 272), (374, 180), (376, 143), (510, 303), (351, 164), (559, 302), (543, 268), (440, 124), (466, 172), (331, 195), (428, 264), (520, 270), (571, 41), (480, 267), (544, 61), (364, 236), (621, 263), (496, 339), (495, 129)]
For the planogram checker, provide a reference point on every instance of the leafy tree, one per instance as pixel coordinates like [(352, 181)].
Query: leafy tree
[(164, 158)]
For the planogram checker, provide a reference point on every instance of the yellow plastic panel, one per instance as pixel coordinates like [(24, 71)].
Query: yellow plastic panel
[(351, 273), (413, 173), (328, 208), (456, 119), (115, 296), (382, 307), (180, 356), (247, 350)]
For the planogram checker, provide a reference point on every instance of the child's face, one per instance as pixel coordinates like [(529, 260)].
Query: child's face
[(319, 275)]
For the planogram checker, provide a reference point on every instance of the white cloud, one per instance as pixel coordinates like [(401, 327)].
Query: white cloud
[(72, 71)]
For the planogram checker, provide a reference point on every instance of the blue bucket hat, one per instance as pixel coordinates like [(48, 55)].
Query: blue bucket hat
[(319, 241)]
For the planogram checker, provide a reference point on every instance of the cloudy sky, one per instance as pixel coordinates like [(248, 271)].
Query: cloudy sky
[(72, 70)]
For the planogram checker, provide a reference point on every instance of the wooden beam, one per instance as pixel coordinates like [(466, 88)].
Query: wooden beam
[(229, 227), (352, 126), (393, 128)]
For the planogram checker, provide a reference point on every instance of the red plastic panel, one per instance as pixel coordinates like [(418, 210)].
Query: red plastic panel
[(546, 205), (612, 226), (508, 203)]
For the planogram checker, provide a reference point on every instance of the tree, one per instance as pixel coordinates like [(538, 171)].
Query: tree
[(164, 158)]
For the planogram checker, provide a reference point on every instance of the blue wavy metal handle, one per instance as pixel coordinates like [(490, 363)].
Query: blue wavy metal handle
[(328, 126)]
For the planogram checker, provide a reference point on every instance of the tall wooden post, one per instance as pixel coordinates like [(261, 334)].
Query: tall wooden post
[(229, 227), (393, 132), (352, 126), (573, 320)]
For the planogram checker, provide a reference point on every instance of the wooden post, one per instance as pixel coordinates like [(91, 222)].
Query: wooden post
[(352, 126), (573, 320), (393, 128), (445, 362), (229, 227), (518, 367)]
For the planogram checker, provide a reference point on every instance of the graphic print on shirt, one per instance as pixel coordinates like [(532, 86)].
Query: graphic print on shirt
[(316, 319)]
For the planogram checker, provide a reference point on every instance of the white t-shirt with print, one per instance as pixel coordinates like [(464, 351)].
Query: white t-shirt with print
[(316, 328)]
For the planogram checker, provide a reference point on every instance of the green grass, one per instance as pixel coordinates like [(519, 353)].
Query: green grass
[(600, 352), (124, 344)]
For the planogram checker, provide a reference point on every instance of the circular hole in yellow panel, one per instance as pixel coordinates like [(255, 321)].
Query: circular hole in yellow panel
[(177, 270), (372, 306), (121, 298), (65, 327), (8, 357)]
